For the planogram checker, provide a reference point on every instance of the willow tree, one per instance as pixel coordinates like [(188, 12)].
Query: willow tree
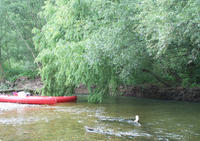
[(107, 43), (89, 42)]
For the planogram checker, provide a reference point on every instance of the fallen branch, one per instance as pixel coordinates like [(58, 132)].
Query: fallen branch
[(18, 90)]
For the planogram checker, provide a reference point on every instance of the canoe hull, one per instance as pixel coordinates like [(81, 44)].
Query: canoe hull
[(48, 100), (62, 99)]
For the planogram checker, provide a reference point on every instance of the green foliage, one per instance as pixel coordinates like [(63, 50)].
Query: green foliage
[(17, 52), (107, 43), (13, 74), (172, 34)]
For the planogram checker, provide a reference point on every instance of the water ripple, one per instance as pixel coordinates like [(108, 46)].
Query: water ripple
[(102, 130), (20, 120)]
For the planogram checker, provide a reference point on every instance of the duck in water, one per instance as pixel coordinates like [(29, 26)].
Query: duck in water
[(136, 118), (136, 121)]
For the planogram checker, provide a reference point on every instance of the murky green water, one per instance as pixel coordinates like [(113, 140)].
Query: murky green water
[(81, 121)]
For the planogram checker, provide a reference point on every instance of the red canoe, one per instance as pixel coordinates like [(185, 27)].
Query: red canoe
[(37, 99)]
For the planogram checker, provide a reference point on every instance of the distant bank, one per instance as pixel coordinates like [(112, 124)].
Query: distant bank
[(155, 92)]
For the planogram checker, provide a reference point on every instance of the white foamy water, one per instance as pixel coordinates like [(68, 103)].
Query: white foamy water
[(13, 106)]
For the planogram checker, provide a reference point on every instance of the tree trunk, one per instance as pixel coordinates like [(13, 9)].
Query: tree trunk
[(1, 68), (22, 38), (158, 78)]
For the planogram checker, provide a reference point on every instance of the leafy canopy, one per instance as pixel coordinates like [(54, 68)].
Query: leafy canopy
[(107, 43)]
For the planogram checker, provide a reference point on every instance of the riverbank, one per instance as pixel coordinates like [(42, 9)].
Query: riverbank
[(176, 93), (155, 92)]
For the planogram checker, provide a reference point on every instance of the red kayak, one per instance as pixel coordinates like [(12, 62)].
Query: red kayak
[(37, 99)]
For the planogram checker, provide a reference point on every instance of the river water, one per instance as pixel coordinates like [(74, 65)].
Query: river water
[(111, 120)]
